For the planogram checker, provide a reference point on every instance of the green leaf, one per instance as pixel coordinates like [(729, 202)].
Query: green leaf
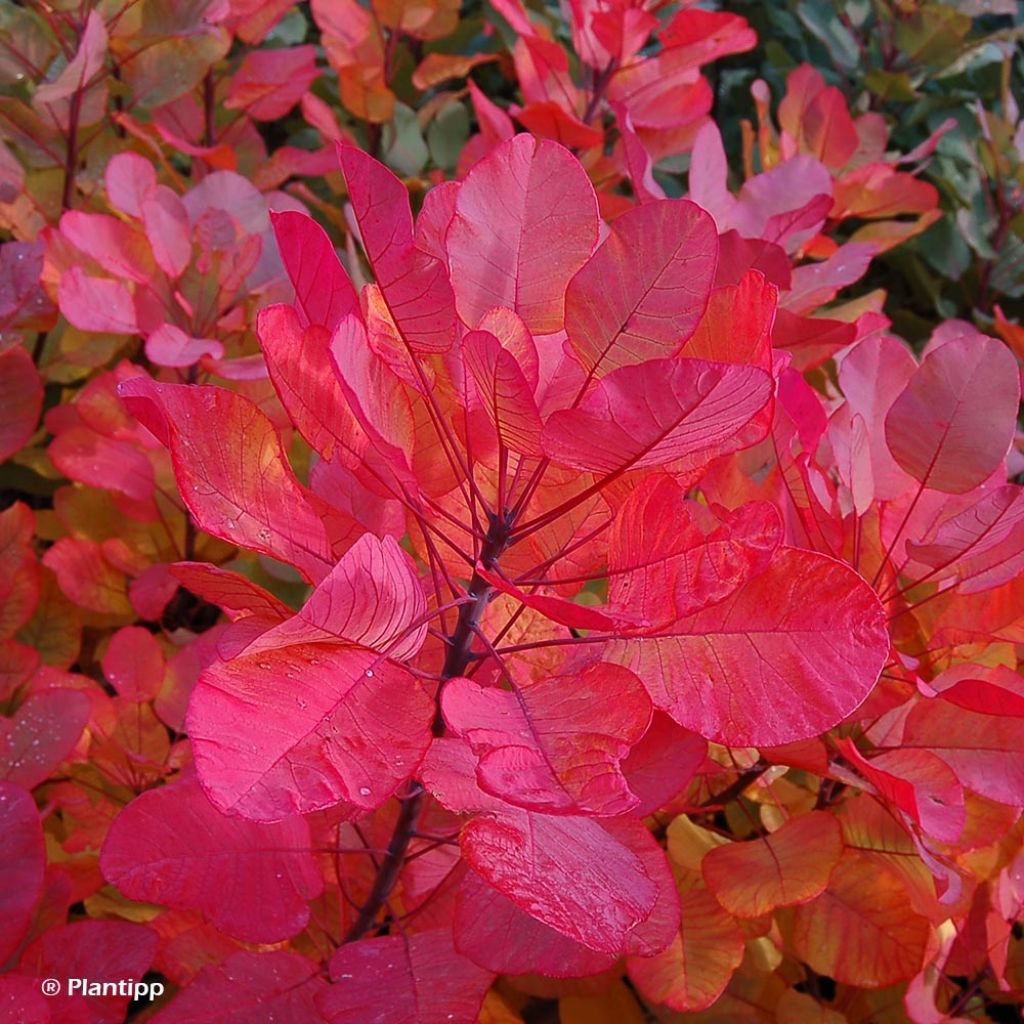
[(447, 135)]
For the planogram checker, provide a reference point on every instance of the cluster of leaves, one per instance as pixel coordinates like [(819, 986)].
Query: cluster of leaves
[(955, 68), (551, 591)]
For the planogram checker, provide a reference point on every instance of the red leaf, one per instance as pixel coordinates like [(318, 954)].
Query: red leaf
[(662, 764), (236, 594), (22, 863), (134, 664), (23, 1001), (118, 465), (816, 117), (96, 303), (658, 412), (278, 986), (171, 846), (503, 392), (953, 424), (87, 578), (43, 731), (323, 290), (21, 400), (302, 728), (983, 750), (232, 471), (521, 251), (750, 303), (572, 873), (786, 656), (97, 950), (372, 597), (559, 609), (414, 284), (496, 934), (919, 783), (642, 293), (419, 979), (548, 745), (270, 82), (304, 376), (668, 557)]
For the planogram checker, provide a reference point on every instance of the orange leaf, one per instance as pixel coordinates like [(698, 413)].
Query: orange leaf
[(693, 972), (791, 865), (862, 930)]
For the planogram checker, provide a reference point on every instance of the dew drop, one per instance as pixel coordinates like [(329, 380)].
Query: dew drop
[(364, 791)]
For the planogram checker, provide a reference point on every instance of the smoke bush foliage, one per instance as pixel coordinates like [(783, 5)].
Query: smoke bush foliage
[(511, 513)]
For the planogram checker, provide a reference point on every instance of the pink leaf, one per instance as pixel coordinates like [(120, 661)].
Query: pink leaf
[(96, 303), (553, 745), (372, 597), (301, 728), (982, 546), (134, 664), (88, 59), (642, 293), (168, 230), (414, 284), (22, 864), (394, 979), (525, 221), (952, 426), (21, 400), (171, 346), (43, 731), (323, 289), (173, 847), (129, 178), (496, 934), (657, 412), (232, 471), (114, 245)]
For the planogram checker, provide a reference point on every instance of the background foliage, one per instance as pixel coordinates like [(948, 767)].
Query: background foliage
[(866, 157)]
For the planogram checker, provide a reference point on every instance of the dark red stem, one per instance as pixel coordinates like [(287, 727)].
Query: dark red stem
[(456, 661)]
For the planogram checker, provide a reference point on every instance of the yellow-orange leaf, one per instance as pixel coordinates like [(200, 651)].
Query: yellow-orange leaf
[(791, 865), (862, 930), (693, 972), (799, 1008), (617, 1005)]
